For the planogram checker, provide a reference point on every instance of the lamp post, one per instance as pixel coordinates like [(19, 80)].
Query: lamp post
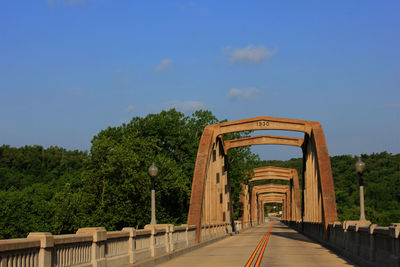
[(360, 167), (153, 170)]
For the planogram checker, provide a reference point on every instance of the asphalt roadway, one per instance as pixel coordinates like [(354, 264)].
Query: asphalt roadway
[(284, 247)]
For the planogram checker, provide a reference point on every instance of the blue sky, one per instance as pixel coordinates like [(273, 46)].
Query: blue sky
[(69, 68)]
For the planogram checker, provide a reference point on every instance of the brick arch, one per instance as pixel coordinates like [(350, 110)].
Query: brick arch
[(205, 207)]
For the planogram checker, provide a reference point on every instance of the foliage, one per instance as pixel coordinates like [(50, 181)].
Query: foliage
[(57, 190), (381, 185)]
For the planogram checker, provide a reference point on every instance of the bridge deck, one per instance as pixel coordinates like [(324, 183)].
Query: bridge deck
[(285, 247)]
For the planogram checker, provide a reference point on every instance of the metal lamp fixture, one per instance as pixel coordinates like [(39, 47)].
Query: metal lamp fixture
[(153, 171), (360, 168)]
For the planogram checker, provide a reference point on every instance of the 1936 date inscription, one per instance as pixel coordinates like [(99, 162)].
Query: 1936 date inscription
[(262, 123)]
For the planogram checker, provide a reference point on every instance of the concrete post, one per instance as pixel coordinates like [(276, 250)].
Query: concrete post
[(186, 234), (168, 239), (170, 232), (46, 247), (98, 245), (395, 234), (153, 204), (131, 243), (362, 209), (371, 253)]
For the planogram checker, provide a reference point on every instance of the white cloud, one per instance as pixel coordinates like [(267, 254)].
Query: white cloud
[(130, 109), (186, 106), (247, 94), (165, 65), (249, 55)]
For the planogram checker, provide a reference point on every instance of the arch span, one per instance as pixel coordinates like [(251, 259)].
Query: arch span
[(244, 206), (273, 200), (263, 140), (286, 174), (211, 200), (261, 192), (273, 197), (269, 201)]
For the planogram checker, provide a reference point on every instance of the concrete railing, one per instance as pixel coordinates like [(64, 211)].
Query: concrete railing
[(370, 245), (95, 246), (213, 231), (238, 226)]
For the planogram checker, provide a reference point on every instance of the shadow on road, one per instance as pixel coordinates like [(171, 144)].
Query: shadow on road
[(291, 235)]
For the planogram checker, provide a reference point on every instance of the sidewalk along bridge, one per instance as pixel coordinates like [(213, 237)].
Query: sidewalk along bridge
[(210, 238)]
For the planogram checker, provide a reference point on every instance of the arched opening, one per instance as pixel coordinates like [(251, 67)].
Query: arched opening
[(211, 198)]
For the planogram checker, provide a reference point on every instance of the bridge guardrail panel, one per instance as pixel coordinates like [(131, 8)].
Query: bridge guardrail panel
[(142, 244), (73, 249), (179, 237), (339, 235), (383, 246), (14, 251), (191, 234), (352, 244), (117, 248), (365, 242)]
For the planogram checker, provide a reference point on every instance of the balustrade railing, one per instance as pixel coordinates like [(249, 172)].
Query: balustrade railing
[(95, 246)]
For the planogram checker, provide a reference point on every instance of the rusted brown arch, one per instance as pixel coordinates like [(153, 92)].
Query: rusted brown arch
[(284, 174), (244, 207), (270, 176), (286, 197), (263, 140), (264, 123), (271, 197), (270, 189), (271, 169), (273, 200), (314, 140)]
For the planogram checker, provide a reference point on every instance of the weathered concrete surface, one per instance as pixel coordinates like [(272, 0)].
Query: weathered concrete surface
[(285, 247)]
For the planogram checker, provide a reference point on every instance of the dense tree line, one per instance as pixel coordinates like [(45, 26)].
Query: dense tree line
[(57, 190), (381, 185)]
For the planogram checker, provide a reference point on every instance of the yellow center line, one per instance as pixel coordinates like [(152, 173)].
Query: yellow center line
[(258, 247), (263, 248)]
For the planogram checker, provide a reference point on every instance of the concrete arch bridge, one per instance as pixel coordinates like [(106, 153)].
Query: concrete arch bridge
[(208, 239), (211, 198)]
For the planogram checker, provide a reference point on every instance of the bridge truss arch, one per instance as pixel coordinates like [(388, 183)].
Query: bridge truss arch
[(261, 192), (211, 199)]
